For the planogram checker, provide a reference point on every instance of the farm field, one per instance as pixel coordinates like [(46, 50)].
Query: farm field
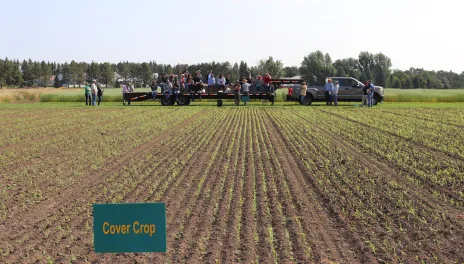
[(241, 184)]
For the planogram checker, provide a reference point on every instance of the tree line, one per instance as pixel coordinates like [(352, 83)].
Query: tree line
[(314, 68)]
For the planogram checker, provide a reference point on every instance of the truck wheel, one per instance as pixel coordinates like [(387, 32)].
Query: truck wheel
[(375, 100), (183, 100), (308, 100)]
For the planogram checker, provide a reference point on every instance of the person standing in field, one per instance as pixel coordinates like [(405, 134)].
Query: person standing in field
[(304, 88), (94, 91), (126, 89), (88, 98), (272, 93), (370, 95), (335, 93), (237, 87), (99, 93), (245, 91), (328, 90), (365, 94)]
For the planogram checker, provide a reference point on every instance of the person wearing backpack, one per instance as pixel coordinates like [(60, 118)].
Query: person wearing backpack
[(99, 93), (88, 98)]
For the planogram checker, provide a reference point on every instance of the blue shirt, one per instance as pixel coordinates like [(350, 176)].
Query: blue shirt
[(211, 81), (372, 88), (329, 87)]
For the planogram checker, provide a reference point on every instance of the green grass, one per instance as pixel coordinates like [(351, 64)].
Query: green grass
[(394, 98), (229, 104), (424, 95)]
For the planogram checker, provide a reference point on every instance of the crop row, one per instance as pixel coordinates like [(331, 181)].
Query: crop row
[(28, 181), (436, 135), (363, 199), (112, 189), (443, 175)]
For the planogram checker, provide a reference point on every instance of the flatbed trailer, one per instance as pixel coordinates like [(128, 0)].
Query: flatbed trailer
[(186, 98)]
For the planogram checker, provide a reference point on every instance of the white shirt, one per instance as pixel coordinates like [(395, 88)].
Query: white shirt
[(93, 88), (335, 89)]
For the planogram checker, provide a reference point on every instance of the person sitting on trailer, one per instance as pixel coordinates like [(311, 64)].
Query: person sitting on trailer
[(175, 90), (154, 89), (167, 89), (221, 83), (267, 81), (228, 83), (258, 83), (197, 83)]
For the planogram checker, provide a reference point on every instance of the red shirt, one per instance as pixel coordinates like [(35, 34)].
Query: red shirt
[(267, 79)]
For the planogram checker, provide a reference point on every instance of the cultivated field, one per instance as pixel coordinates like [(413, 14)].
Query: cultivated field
[(250, 185)]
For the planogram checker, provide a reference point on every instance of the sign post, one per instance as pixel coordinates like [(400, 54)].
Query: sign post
[(127, 228)]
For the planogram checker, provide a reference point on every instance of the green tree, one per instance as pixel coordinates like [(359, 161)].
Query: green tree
[(316, 67), (93, 72), (340, 72), (235, 74), (242, 69), (45, 73), (10, 73), (382, 65), (123, 70), (291, 71), (107, 73), (274, 67), (367, 65), (146, 73)]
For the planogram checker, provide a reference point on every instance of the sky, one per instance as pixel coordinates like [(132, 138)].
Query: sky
[(413, 33)]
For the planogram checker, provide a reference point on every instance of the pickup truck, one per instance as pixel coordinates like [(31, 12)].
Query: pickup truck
[(350, 90)]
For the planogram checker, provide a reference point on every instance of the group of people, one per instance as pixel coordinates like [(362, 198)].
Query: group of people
[(368, 94), (92, 92), (173, 85), (331, 92)]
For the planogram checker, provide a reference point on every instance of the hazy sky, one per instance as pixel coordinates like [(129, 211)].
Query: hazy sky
[(413, 33)]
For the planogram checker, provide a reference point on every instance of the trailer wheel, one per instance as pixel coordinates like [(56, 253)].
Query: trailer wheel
[(308, 100), (183, 100), (167, 101)]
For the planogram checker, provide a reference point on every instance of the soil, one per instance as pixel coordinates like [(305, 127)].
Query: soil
[(238, 189)]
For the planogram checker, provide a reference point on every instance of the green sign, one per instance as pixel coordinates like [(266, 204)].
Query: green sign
[(137, 227)]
